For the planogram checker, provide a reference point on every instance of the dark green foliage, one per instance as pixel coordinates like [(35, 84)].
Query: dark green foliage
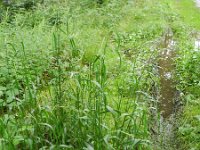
[(100, 1)]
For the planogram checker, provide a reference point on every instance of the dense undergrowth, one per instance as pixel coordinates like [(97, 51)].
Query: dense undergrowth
[(82, 74), (188, 75)]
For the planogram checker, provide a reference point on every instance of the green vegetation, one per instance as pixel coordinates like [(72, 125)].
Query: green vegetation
[(191, 15), (82, 74), (188, 74)]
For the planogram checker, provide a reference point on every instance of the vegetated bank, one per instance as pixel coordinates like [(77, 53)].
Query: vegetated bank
[(188, 74), (80, 74)]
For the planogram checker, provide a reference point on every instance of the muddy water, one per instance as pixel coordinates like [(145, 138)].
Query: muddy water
[(166, 71), (198, 3)]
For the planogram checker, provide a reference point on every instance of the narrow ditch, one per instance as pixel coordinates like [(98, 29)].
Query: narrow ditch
[(165, 124), (166, 69)]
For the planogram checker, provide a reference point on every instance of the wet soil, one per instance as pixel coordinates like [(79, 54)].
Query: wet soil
[(165, 124), (166, 69)]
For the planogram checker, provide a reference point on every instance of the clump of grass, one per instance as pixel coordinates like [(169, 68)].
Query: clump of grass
[(189, 85)]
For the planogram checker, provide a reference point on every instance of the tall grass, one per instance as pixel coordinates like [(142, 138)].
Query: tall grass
[(78, 77)]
